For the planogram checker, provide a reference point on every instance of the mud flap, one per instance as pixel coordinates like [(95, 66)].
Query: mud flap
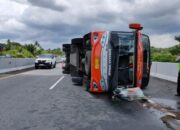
[(129, 94)]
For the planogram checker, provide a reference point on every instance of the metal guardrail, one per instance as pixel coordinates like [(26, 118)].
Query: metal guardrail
[(165, 70)]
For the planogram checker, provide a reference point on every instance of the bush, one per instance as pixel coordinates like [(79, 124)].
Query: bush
[(175, 50), (163, 57), (19, 54)]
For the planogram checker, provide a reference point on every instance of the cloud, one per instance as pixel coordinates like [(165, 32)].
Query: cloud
[(163, 40), (60, 5), (53, 22)]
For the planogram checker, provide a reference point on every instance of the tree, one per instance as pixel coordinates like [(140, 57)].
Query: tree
[(177, 38), (37, 44), (8, 45), (38, 47), (2, 46), (31, 48), (175, 50), (8, 41)]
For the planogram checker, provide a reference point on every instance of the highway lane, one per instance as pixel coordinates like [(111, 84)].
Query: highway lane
[(28, 103)]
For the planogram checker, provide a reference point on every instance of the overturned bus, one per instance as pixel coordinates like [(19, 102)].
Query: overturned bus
[(105, 60)]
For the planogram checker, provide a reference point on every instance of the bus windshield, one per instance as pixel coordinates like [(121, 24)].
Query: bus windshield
[(123, 41), (123, 47)]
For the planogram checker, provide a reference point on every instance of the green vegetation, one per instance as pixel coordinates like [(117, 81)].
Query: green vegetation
[(56, 51), (166, 54), (162, 55), (177, 38), (18, 50)]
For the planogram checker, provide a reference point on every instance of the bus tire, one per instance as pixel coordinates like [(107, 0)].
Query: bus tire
[(87, 64)]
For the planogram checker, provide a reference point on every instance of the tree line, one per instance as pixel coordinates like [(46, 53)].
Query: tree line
[(18, 50)]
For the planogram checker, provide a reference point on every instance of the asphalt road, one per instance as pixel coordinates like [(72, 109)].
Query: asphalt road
[(46, 99), (163, 92)]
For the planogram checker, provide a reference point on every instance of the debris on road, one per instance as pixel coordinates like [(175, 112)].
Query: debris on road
[(129, 94), (171, 121), (171, 117)]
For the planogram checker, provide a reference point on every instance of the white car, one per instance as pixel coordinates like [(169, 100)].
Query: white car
[(45, 60)]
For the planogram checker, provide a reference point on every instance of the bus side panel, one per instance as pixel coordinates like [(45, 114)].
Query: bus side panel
[(95, 62)]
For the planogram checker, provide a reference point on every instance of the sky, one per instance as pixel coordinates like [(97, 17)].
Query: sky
[(54, 22)]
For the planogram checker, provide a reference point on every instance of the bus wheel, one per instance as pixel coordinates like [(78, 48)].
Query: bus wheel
[(86, 83), (87, 63)]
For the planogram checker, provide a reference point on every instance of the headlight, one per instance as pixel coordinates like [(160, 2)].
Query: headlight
[(36, 61)]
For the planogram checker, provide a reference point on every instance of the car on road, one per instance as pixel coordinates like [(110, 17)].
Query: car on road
[(45, 60)]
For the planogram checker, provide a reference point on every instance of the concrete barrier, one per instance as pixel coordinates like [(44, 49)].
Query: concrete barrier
[(165, 70), (13, 64)]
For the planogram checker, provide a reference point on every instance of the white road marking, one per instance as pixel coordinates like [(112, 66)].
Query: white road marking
[(54, 85)]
